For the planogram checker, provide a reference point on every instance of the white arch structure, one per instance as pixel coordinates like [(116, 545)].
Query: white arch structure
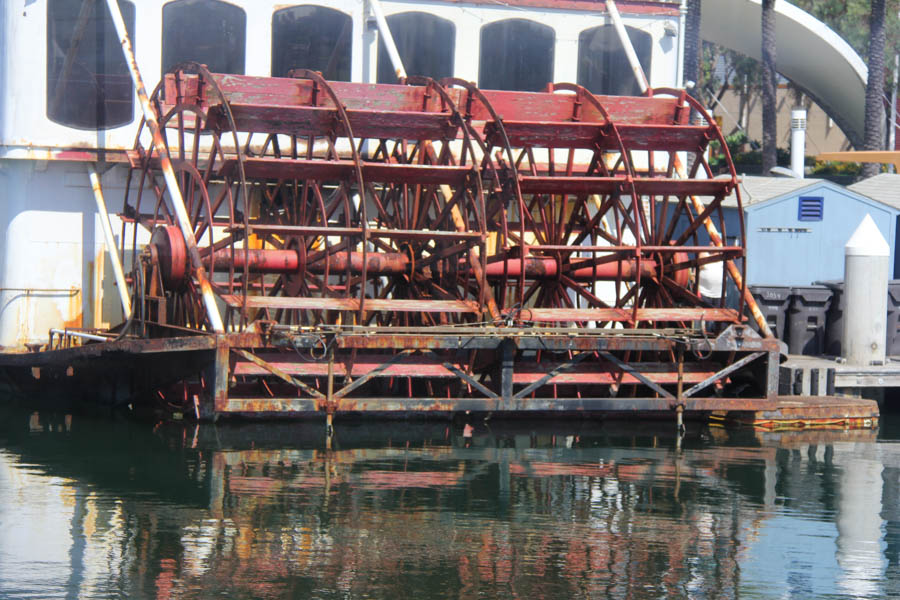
[(809, 53)]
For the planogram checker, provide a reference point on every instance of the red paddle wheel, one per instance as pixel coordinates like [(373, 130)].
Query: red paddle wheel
[(433, 246)]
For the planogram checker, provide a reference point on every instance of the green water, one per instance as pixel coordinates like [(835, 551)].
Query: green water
[(106, 509)]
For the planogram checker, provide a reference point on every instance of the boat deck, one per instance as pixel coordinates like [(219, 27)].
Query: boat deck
[(130, 371)]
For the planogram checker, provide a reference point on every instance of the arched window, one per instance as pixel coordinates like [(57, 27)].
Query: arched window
[(205, 31), (602, 65), (516, 55), (425, 44), (88, 82), (312, 37)]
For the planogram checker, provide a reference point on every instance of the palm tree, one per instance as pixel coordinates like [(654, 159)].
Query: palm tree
[(875, 86), (770, 133)]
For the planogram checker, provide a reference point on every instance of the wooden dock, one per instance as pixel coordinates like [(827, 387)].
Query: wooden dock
[(823, 375)]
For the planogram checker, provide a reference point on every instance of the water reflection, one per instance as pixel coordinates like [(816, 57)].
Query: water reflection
[(584, 510)]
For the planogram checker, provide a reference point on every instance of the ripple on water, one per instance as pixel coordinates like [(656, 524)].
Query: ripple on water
[(102, 509)]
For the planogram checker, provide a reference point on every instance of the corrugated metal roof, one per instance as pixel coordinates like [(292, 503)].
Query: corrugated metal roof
[(884, 187)]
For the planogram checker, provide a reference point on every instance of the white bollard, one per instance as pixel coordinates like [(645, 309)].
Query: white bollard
[(866, 271)]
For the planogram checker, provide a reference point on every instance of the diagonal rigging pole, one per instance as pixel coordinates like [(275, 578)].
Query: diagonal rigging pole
[(733, 271), (714, 236), (184, 221), (633, 61), (389, 44), (110, 241)]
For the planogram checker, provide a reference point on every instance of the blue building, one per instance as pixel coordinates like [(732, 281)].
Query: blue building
[(796, 229)]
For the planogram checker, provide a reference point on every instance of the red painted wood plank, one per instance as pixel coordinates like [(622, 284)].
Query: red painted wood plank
[(621, 314), (328, 170), (410, 366), (398, 305)]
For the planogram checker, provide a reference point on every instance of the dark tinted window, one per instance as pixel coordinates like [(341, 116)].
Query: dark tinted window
[(602, 65), (88, 83), (205, 31), (312, 37), (516, 55), (425, 44)]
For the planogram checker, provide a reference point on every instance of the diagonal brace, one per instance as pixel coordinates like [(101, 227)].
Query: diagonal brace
[(466, 377), (278, 373), (368, 376), (560, 369), (635, 373), (726, 371)]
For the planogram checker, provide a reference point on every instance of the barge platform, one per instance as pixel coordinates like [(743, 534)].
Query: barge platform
[(347, 372)]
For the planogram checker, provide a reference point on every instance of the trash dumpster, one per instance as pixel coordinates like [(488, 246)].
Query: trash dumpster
[(773, 301), (834, 318), (806, 319), (892, 344)]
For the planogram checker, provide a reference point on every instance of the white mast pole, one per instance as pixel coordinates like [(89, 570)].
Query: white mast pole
[(184, 221)]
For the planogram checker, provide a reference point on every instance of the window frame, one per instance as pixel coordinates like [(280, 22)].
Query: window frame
[(164, 44), (409, 65), (347, 18), (53, 80), (551, 55), (582, 72)]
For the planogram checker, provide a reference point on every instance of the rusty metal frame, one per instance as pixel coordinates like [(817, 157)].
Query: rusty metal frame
[(489, 248), (215, 400), (368, 376), (465, 377), (278, 373), (726, 371), (634, 372), (553, 373)]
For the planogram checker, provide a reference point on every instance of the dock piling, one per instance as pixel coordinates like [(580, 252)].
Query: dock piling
[(866, 272)]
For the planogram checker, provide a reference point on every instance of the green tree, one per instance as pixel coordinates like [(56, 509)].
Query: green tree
[(875, 86), (852, 20), (745, 75)]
